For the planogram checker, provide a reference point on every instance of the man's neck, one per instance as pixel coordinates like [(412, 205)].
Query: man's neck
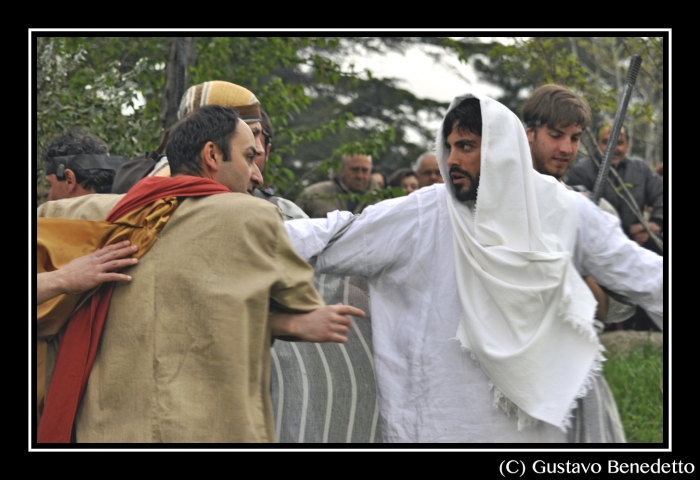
[(79, 191)]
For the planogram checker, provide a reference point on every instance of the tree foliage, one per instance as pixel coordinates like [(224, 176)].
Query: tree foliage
[(320, 108), (73, 91)]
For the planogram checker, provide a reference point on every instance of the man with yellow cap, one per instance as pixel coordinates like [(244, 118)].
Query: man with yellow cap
[(216, 92)]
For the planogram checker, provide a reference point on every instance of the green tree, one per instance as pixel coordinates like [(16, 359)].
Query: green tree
[(74, 92), (116, 87)]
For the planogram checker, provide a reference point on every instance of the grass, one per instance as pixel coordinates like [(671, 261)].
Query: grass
[(635, 377)]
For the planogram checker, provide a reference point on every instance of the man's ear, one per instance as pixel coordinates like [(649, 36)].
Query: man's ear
[(71, 183), (209, 158), (530, 132)]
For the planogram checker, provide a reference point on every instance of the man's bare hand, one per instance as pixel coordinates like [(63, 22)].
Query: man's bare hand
[(326, 324), (640, 235), (87, 272), (654, 227)]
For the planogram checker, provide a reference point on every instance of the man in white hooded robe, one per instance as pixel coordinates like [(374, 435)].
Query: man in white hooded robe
[(482, 327)]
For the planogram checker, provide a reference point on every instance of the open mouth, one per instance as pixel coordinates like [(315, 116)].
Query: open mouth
[(458, 178)]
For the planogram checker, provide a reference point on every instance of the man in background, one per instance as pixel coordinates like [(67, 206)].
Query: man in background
[(288, 208), (555, 118), (379, 177), (343, 191), (427, 169), (78, 163), (405, 178), (645, 186)]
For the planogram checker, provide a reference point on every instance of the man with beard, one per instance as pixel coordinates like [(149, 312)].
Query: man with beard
[(476, 306)]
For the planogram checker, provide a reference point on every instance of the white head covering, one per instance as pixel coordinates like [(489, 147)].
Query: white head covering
[(527, 315)]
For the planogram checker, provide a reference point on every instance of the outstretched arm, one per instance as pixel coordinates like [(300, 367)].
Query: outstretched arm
[(618, 263), (326, 324), (311, 236), (86, 272)]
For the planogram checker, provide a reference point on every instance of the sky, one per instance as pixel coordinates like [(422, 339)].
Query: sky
[(422, 76), (418, 73)]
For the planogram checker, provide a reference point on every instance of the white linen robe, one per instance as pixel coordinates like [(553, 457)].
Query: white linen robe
[(429, 389)]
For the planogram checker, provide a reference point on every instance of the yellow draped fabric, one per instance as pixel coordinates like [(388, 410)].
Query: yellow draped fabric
[(61, 240)]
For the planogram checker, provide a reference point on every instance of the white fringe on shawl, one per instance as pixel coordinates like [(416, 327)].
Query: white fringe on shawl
[(527, 316)]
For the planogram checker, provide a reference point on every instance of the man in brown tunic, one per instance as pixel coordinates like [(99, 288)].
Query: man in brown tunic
[(185, 350)]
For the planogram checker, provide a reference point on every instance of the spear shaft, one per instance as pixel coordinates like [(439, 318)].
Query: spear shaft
[(604, 169)]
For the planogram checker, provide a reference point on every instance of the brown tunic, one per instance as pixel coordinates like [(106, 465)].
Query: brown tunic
[(185, 352)]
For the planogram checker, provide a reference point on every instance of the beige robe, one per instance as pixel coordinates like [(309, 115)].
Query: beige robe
[(185, 351)]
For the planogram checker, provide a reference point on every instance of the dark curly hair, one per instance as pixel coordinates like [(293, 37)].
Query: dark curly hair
[(76, 142)]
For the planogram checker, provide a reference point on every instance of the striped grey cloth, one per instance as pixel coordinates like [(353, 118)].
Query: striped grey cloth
[(326, 392), (596, 419)]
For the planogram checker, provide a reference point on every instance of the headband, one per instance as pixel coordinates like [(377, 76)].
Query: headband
[(83, 161)]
